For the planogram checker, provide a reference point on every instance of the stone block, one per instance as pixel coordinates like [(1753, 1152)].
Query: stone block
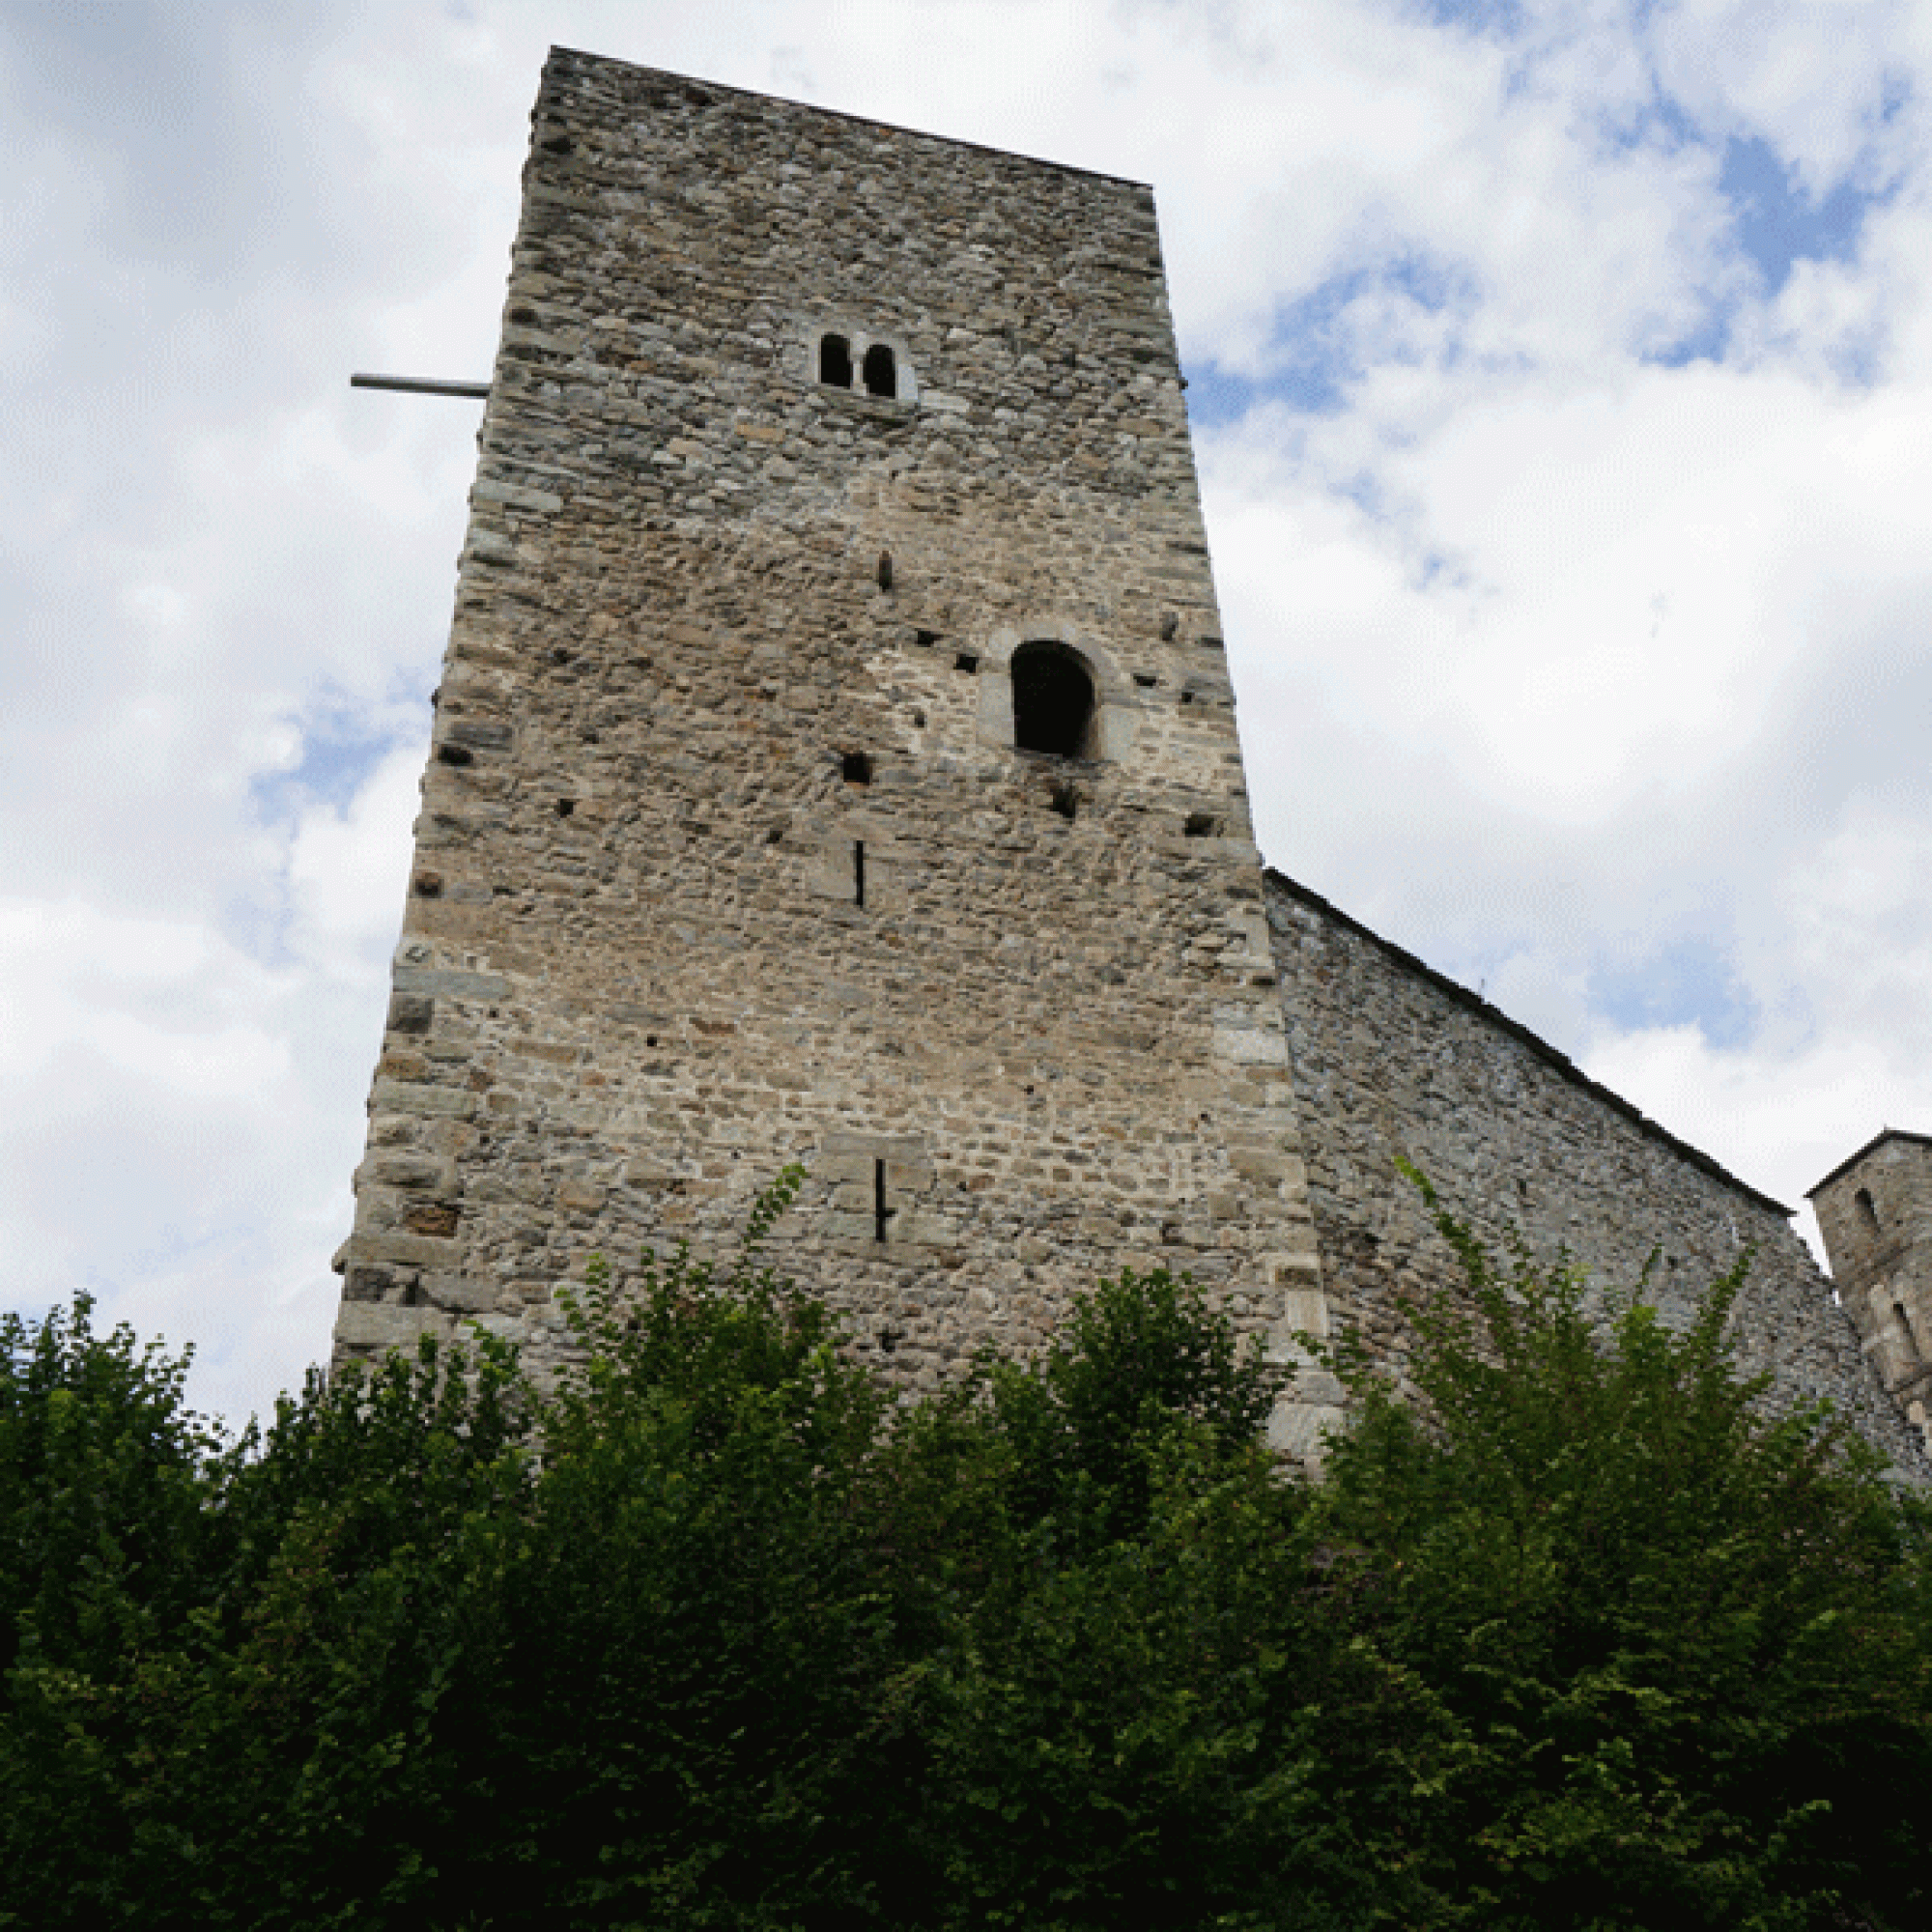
[(1253, 1164), (1303, 1311), (416, 1096), (928, 1230), (1258, 1044), (411, 1012), (409, 1170), (371, 1324), (461, 1295), (400, 1250), (431, 981), (1298, 1428)]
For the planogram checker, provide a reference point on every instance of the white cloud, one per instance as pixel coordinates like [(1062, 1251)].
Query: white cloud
[(1818, 81), (1561, 666), (347, 875)]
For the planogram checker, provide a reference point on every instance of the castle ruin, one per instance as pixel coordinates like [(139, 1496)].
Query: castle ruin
[(835, 761)]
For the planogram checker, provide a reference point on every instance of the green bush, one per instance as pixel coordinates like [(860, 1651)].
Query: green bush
[(724, 1634), (701, 1686), (237, 1698), (1677, 1643)]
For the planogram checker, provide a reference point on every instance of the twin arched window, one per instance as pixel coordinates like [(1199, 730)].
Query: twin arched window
[(877, 370)]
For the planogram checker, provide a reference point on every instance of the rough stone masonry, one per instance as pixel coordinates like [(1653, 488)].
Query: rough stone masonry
[(835, 761)]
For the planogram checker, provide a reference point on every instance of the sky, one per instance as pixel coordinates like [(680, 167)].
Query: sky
[(1561, 378)]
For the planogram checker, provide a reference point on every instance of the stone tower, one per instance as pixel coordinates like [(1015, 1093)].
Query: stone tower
[(834, 760), (1875, 1213)]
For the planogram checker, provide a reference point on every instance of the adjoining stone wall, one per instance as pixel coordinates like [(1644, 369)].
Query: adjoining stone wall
[(728, 858), (1391, 1059)]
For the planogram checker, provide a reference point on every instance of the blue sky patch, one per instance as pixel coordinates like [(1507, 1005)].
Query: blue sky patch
[(1688, 982), (1217, 397), (1779, 224), (1502, 18), (1315, 351), (1706, 343), (342, 743), (341, 747)]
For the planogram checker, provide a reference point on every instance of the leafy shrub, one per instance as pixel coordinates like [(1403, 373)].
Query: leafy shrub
[(721, 1632), (1677, 1641)]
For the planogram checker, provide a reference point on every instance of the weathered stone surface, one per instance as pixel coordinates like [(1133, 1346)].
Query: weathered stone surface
[(736, 861), (1875, 1212), (460, 1295), (418, 1096), (1393, 1061), (362, 1327)]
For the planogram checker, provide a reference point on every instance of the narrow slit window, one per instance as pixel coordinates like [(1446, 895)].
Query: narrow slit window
[(1868, 1214), (881, 1213), (835, 361), (858, 872), (1905, 1328), (882, 371)]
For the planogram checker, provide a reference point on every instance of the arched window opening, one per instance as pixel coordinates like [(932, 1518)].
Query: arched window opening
[(835, 361), (1868, 1214), (882, 372), (1053, 701)]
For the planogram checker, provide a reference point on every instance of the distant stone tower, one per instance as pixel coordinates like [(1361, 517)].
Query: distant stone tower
[(834, 760), (1875, 1213)]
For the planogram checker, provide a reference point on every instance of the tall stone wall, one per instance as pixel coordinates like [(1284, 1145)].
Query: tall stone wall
[(729, 855), (1393, 1059)]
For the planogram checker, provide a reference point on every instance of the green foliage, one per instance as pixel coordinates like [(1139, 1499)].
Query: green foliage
[(1086, 1421), (245, 1717), (720, 1633), (1676, 1642), (701, 1681), (102, 1468), (105, 1549)]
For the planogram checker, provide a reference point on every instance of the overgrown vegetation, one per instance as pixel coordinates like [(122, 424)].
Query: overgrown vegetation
[(1572, 1635)]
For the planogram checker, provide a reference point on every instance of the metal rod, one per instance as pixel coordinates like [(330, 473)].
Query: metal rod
[(421, 385)]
